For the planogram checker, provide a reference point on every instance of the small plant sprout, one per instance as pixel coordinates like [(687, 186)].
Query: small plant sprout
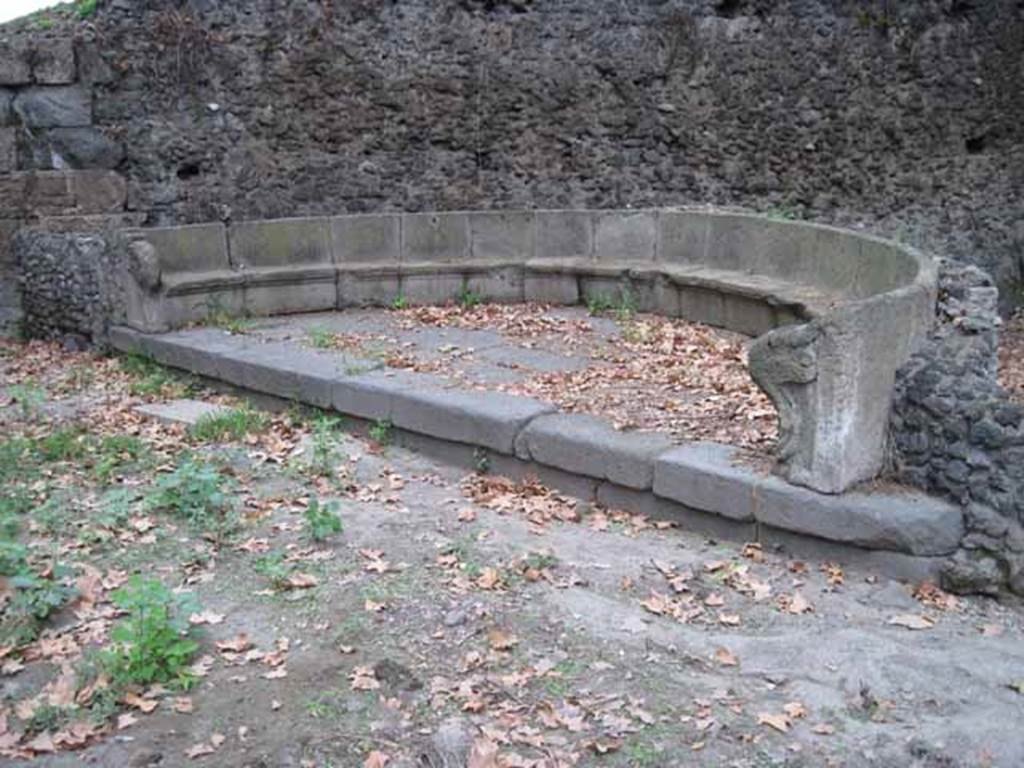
[(322, 520), (154, 643), (381, 432)]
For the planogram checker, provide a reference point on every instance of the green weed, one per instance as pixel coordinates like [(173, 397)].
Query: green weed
[(154, 643), (325, 455), (33, 597), (399, 302), (273, 567), (229, 425), (85, 8), (623, 306), (322, 520), (29, 396), (320, 337), (199, 493), (381, 431), (467, 298), (149, 377)]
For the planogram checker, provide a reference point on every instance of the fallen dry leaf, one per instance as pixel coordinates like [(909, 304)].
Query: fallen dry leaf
[(778, 722), (301, 581), (912, 621), (726, 658), (206, 617), (376, 759), (237, 644), (500, 640)]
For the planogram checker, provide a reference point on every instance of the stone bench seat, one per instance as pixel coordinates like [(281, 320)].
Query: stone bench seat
[(289, 274), (192, 283), (834, 312)]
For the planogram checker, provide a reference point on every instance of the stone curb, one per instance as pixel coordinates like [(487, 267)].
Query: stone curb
[(706, 476), (699, 476), (585, 445)]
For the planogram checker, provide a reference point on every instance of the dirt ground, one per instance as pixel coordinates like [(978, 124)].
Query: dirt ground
[(459, 619)]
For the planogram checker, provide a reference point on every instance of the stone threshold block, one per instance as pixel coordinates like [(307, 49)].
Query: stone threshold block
[(586, 445), (188, 412), (707, 476)]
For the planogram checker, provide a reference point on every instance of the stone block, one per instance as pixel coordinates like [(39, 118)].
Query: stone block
[(15, 68), (199, 305), (54, 107), (13, 193), (53, 62), (97, 191), (279, 298), (488, 419), (589, 446), (706, 476), (371, 238), (901, 521), (432, 287), (6, 107), (8, 150), (371, 395), (185, 411), (682, 237), (81, 148), (368, 288), (625, 236), (193, 248), (285, 370), (501, 284), (502, 236), (280, 243), (895, 565), (564, 235), (7, 229), (747, 315), (550, 288), (702, 305), (436, 237)]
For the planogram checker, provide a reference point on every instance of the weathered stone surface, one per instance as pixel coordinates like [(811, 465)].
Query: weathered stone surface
[(706, 476), (186, 411), (436, 237), (8, 150), (56, 107), (79, 148), (369, 239), (488, 419), (280, 243), (564, 235), (53, 62), (197, 248), (6, 110), (905, 522), (625, 235), (589, 446), (501, 236), (14, 62), (97, 191)]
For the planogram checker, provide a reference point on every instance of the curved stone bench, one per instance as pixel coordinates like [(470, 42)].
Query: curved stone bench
[(835, 312)]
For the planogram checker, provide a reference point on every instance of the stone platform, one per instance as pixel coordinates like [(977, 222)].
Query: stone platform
[(703, 486)]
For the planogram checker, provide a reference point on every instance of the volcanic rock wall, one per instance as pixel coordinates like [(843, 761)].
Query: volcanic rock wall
[(905, 117)]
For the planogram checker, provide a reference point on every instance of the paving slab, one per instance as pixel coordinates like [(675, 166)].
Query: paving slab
[(185, 411)]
